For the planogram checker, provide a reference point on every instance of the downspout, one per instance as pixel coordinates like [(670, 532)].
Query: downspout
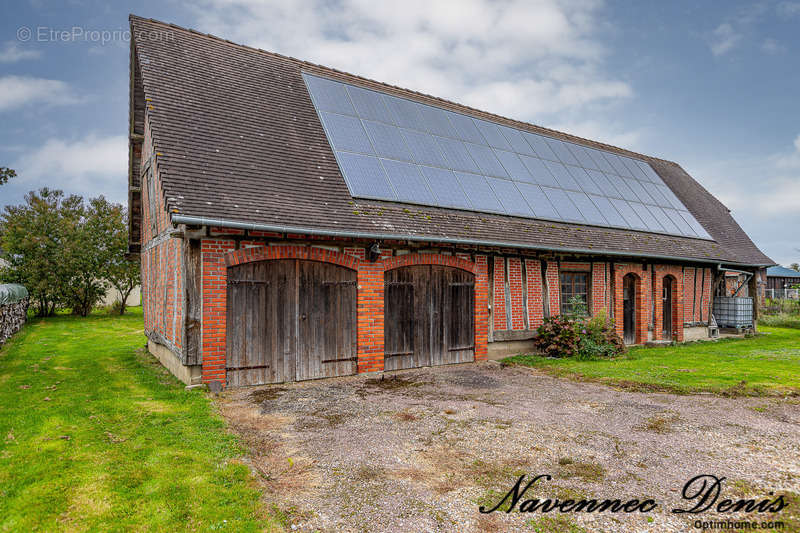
[(746, 273)]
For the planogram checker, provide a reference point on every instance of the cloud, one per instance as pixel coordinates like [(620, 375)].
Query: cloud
[(523, 59), (17, 91), (11, 52), (797, 143), (788, 9), (771, 46), (723, 39), (601, 131), (90, 166)]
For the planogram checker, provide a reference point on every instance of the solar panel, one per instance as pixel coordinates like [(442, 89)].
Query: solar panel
[(436, 121), (329, 95), (405, 113), (346, 133), (560, 200), (587, 208), (514, 166), (397, 149), (365, 176), (538, 201), (369, 104), (465, 127), (387, 141), (456, 155), (486, 160), (563, 153), (445, 188), (510, 197), (492, 135), (408, 182), (479, 193), (423, 148), (562, 175)]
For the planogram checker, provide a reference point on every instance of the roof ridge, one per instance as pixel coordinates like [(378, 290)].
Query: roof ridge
[(310, 64)]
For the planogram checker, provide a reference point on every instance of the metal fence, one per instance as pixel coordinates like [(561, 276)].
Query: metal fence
[(782, 294)]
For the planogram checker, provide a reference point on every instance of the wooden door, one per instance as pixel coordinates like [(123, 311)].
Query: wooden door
[(428, 316), (289, 320), (629, 309), (326, 340), (666, 309)]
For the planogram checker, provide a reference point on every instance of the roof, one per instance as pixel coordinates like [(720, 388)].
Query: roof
[(782, 272), (240, 143)]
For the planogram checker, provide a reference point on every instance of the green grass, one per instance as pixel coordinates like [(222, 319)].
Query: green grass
[(784, 320), (96, 435), (765, 364)]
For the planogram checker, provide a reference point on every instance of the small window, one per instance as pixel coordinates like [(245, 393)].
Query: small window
[(575, 293)]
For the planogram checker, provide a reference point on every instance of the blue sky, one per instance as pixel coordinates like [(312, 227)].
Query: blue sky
[(711, 85)]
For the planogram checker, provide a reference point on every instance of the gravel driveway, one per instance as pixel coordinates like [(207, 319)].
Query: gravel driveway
[(419, 450)]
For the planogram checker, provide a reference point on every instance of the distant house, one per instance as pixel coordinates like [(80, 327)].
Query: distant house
[(296, 222), (779, 279)]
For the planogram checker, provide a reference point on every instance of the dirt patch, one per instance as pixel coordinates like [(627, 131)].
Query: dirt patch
[(421, 450)]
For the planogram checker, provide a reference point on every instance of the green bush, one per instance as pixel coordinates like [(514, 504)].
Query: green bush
[(782, 320), (582, 338)]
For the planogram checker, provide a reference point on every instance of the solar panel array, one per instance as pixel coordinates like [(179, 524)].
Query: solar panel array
[(391, 148)]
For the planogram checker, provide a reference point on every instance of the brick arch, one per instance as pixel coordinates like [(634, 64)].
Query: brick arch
[(674, 275), (310, 253), (640, 314), (391, 263)]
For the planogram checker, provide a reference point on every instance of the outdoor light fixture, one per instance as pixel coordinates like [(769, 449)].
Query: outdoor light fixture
[(374, 252)]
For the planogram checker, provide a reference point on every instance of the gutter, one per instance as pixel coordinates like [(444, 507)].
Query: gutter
[(746, 273), (277, 228)]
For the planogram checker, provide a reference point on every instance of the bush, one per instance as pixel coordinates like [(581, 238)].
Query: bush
[(586, 338)]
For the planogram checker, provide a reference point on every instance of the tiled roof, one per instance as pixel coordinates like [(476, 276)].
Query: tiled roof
[(239, 140), (782, 272)]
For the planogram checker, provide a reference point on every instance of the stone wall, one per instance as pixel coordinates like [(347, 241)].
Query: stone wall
[(12, 317)]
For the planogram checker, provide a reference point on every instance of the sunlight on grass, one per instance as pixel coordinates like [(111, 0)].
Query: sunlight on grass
[(96, 435), (766, 364)]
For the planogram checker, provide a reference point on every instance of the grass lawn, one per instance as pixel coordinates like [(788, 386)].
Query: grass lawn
[(766, 364), (96, 435)]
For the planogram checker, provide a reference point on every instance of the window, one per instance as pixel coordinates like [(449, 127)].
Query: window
[(574, 289)]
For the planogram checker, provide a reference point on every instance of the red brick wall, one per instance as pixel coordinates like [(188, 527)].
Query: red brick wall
[(499, 291), (515, 289), (218, 254), (690, 307), (706, 297), (599, 287), (533, 270)]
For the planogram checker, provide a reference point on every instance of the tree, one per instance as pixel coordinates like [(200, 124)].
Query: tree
[(123, 274), (795, 266), (6, 174), (35, 238)]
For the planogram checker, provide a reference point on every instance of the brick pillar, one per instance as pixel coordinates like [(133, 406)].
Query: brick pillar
[(212, 332), (481, 308), (370, 316), (553, 288), (598, 287)]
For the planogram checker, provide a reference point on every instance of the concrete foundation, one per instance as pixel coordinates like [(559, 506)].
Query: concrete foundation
[(501, 349), (190, 375), (696, 333)]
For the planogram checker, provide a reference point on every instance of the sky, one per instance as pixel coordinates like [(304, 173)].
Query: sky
[(711, 85)]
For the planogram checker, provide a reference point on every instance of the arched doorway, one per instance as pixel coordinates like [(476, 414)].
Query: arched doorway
[(629, 308), (289, 320), (429, 316)]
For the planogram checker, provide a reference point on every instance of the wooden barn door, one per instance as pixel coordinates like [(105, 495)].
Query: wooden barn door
[(289, 320), (428, 316)]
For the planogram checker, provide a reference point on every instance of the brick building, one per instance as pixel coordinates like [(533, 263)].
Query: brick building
[(295, 222)]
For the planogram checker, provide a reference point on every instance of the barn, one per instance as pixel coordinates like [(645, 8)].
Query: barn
[(296, 222)]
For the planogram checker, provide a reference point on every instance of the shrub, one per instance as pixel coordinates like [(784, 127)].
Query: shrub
[(588, 338)]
